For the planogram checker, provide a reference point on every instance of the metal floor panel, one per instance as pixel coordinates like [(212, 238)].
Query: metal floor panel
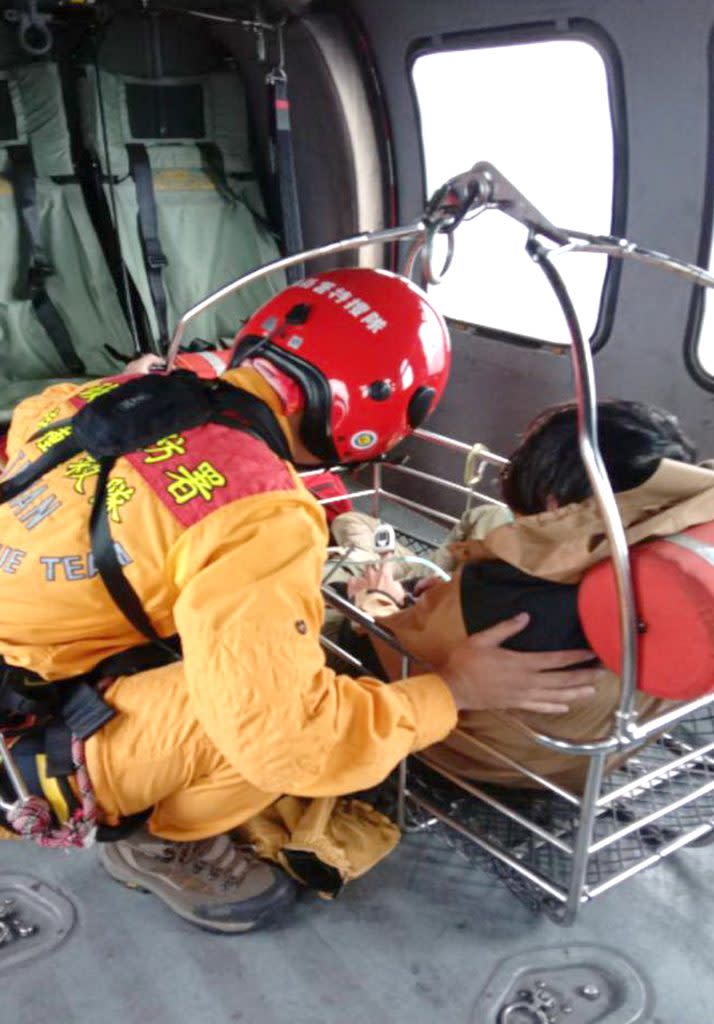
[(414, 941)]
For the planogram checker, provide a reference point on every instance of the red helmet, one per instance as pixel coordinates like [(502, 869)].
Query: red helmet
[(369, 352)]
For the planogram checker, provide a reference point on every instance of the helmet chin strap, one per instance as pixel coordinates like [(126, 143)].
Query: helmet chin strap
[(314, 390), (289, 392)]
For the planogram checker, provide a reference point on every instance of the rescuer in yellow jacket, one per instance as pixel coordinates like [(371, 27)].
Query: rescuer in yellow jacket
[(224, 546)]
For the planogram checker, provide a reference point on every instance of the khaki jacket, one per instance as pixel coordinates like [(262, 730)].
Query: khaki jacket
[(559, 545)]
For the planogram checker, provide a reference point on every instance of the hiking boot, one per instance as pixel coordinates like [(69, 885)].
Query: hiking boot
[(214, 883)]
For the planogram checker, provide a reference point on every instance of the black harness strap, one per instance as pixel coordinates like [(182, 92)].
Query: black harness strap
[(284, 171), (109, 568), (154, 257), (233, 408), (228, 406), (240, 410), (58, 751), (8, 121), (65, 449), (84, 711), (23, 177), (214, 168), (76, 701)]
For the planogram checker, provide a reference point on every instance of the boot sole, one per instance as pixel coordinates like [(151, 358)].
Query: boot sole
[(282, 899)]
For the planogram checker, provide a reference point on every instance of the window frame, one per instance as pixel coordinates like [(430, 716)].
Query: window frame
[(695, 319), (575, 29)]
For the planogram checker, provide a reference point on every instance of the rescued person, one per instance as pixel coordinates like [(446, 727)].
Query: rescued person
[(534, 565), (221, 545)]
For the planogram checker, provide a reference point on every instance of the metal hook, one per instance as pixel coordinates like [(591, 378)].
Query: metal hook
[(279, 73), (410, 261), (280, 32), (475, 465), (427, 254)]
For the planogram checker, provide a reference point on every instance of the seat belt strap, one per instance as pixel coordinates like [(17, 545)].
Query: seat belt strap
[(284, 170), (23, 178), (154, 257), (214, 169)]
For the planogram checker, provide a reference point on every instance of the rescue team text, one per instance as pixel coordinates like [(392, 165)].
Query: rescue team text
[(10, 558), (58, 567), (77, 567)]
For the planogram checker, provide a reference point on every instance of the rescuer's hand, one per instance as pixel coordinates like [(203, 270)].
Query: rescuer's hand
[(482, 675), (146, 364)]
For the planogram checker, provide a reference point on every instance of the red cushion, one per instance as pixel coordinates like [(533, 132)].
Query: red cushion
[(674, 590)]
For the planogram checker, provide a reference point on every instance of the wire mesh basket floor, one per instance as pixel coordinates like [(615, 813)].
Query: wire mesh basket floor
[(562, 818)]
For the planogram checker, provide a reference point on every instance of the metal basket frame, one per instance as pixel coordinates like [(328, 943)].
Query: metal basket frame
[(480, 188), (589, 842)]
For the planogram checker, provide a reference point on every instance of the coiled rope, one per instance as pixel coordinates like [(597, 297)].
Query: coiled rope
[(33, 818)]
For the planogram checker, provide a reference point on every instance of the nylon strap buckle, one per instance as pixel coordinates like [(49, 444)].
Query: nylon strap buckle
[(155, 257), (37, 274)]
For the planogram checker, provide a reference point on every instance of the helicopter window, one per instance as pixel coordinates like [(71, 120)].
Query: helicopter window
[(540, 111)]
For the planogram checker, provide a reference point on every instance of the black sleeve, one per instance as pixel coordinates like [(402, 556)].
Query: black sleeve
[(494, 591)]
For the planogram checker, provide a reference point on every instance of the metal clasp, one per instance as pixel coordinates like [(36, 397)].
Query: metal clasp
[(535, 1014), (16, 779)]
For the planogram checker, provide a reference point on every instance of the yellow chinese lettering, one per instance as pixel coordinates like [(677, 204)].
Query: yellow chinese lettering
[(118, 493), (48, 417), (187, 484), (81, 470), (89, 394), (165, 447), (52, 437)]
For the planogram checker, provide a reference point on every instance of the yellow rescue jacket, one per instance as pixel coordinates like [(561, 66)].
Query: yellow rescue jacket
[(224, 546)]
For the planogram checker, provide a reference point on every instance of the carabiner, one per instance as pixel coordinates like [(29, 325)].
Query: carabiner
[(427, 254)]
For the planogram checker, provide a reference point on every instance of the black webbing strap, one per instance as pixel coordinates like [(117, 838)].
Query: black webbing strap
[(240, 410), (284, 170), (109, 568), (65, 449), (139, 659), (231, 407), (84, 711), (214, 168), (154, 257), (234, 408), (8, 121), (75, 701), (23, 178), (58, 750)]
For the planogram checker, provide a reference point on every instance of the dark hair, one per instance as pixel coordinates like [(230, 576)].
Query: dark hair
[(633, 438)]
